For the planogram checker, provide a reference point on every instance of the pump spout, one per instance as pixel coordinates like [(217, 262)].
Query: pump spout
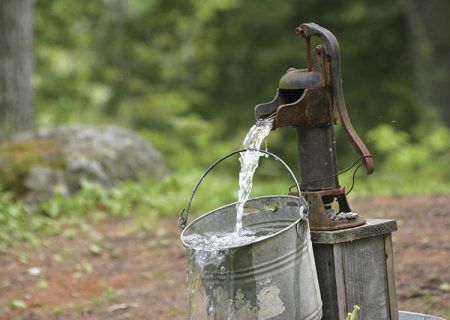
[(284, 101), (294, 94), (268, 109), (300, 101)]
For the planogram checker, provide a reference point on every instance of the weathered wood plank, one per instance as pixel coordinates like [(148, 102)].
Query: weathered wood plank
[(338, 251), (365, 277), (324, 259), (372, 228), (355, 266), (390, 275)]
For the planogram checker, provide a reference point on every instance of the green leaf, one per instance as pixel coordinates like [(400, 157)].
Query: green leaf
[(95, 249), (42, 284), (18, 304)]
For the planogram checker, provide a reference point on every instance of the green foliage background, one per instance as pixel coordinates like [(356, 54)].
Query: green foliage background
[(186, 75)]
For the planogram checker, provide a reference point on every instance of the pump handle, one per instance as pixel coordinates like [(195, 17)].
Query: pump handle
[(331, 46)]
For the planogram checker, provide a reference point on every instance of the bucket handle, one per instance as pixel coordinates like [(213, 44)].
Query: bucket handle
[(182, 220)]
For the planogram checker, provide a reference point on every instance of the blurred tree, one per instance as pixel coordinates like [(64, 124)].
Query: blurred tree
[(16, 66), (189, 72), (429, 26), (258, 44)]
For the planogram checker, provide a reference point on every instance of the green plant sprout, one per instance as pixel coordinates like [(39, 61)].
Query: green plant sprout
[(354, 314)]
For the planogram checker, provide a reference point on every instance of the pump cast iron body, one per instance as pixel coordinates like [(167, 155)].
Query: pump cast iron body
[(311, 100)]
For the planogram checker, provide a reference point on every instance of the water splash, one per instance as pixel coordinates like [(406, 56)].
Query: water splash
[(214, 241), (249, 162)]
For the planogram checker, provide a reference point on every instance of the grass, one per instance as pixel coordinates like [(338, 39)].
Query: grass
[(142, 201), (399, 173)]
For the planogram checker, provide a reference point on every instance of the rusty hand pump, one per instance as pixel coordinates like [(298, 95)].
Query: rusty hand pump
[(311, 100)]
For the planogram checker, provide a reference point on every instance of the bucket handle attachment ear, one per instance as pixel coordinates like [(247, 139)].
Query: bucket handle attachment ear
[(303, 206)]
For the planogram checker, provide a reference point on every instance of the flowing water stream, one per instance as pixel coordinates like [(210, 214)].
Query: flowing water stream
[(207, 252), (249, 162)]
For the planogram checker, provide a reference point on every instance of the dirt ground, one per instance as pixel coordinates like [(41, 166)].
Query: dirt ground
[(119, 272)]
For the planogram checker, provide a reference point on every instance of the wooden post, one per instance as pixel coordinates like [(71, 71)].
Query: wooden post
[(355, 266)]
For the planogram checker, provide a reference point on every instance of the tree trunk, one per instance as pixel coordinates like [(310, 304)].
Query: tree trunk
[(16, 66), (429, 26)]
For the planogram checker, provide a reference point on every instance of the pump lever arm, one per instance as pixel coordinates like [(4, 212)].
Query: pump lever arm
[(331, 47)]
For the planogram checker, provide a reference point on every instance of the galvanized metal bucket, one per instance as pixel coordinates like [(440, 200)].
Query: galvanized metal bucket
[(273, 277), (405, 315)]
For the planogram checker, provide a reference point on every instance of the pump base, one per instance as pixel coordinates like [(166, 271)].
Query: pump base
[(318, 217), (356, 267)]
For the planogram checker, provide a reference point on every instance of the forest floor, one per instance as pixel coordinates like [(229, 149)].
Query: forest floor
[(130, 274)]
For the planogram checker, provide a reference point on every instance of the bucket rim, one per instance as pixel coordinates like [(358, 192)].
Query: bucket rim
[(261, 239), (417, 315)]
